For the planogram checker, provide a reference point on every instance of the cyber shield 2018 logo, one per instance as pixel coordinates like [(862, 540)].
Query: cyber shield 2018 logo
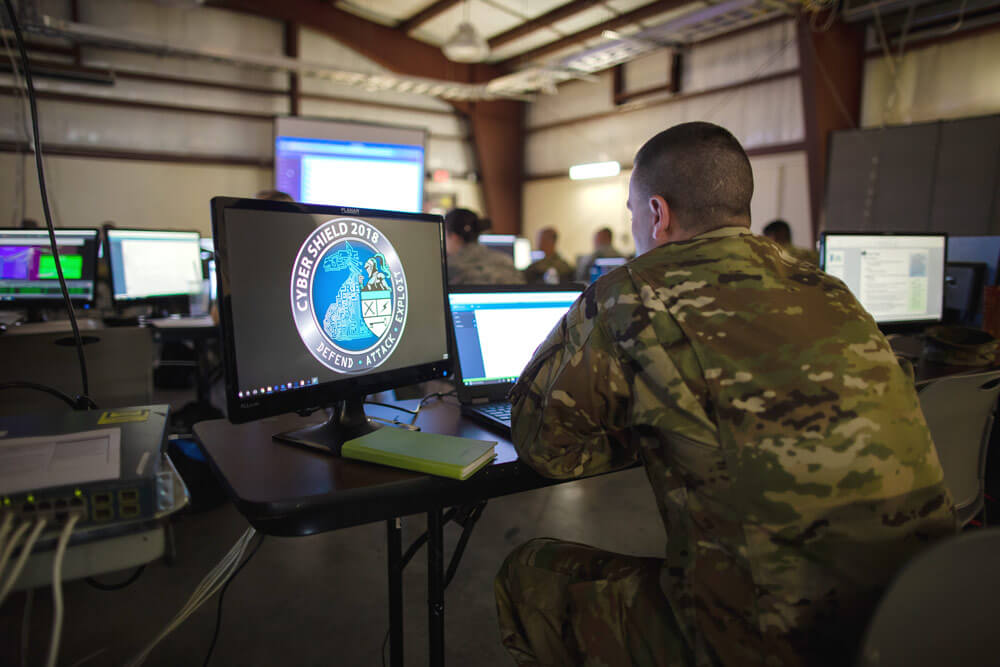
[(349, 296)]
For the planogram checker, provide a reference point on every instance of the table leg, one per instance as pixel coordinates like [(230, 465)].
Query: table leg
[(394, 547), (435, 587)]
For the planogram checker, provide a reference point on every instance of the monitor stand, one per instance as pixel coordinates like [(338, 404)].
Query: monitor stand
[(347, 421)]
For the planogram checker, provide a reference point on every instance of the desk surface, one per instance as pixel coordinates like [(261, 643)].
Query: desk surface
[(286, 490)]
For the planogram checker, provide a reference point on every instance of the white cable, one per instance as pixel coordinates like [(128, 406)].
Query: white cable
[(208, 587), (19, 565), (204, 592), (8, 519), (10, 546), (57, 597)]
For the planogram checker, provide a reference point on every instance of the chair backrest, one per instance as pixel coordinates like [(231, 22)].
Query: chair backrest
[(119, 366), (959, 410), (941, 608)]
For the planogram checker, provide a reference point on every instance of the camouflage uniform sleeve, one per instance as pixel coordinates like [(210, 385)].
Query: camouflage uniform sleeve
[(572, 404)]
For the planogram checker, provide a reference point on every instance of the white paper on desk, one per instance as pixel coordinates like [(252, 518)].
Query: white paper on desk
[(28, 464)]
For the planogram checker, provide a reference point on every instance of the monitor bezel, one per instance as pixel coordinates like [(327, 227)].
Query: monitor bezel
[(152, 298), (17, 304), (893, 324), (310, 398), (500, 390)]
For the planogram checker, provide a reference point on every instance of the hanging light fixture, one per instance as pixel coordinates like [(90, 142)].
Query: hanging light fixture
[(466, 45)]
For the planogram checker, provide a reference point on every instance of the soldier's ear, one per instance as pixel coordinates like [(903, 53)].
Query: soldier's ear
[(662, 219)]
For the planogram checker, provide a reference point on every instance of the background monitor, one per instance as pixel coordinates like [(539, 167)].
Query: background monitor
[(340, 163), (605, 265), (324, 304), (147, 265), (898, 278), (28, 270), (515, 247)]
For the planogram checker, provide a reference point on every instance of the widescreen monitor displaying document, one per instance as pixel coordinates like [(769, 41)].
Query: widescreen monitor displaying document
[(896, 277), (148, 264), (487, 351)]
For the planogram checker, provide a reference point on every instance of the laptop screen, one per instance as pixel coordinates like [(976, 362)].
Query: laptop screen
[(496, 333)]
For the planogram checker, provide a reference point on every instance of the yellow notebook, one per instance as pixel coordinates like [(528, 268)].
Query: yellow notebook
[(443, 455)]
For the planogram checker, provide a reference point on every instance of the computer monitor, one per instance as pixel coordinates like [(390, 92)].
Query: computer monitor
[(898, 278), (28, 277), (605, 265), (486, 352), (153, 265), (322, 305), (515, 247)]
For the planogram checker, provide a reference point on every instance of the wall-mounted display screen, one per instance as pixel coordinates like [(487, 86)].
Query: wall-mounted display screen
[(339, 163)]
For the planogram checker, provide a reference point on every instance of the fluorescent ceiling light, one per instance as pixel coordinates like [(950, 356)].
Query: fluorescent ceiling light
[(578, 172)]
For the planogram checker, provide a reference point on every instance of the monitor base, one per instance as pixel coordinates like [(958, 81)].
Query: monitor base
[(347, 421)]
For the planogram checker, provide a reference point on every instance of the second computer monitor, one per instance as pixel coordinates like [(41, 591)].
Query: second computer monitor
[(147, 265), (898, 278), (28, 275)]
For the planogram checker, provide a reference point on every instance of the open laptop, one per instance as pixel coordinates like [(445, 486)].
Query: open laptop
[(495, 331)]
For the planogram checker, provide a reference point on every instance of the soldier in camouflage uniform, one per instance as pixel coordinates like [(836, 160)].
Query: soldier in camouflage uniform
[(790, 461), (552, 263), (470, 263)]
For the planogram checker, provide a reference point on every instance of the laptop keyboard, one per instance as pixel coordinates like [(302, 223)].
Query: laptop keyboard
[(498, 411)]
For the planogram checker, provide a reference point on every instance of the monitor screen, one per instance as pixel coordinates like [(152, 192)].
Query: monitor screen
[(605, 265), (896, 277), (487, 353), (28, 269), (147, 264), (326, 303), (339, 163)]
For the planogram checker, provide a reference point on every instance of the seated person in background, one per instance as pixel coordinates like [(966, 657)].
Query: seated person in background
[(552, 268), (273, 195), (779, 232), (602, 248), (470, 263), (786, 449)]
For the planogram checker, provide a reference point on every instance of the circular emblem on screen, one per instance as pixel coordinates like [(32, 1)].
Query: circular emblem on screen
[(349, 297)]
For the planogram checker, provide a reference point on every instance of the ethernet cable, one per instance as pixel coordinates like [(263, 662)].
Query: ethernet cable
[(10, 546), (22, 559), (208, 587), (57, 597), (5, 528)]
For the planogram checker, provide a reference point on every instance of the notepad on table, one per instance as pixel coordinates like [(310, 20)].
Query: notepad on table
[(431, 453)]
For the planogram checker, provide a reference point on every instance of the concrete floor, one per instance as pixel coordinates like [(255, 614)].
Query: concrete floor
[(322, 600)]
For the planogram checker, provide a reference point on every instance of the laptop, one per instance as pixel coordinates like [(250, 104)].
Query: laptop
[(495, 331)]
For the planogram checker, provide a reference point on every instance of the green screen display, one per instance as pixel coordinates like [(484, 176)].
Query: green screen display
[(72, 266)]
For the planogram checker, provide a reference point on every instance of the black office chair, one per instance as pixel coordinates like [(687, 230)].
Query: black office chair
[(941, 609)]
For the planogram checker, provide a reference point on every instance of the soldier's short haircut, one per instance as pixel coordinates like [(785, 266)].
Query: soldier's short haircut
[(550, 232), (701, 171), (605, 233), (778, 228), (274, 195)]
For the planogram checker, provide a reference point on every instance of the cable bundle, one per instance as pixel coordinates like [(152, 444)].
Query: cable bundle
[(7, 582), (210, 585)]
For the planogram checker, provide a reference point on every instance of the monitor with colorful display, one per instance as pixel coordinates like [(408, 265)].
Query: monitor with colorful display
[(323, 305), (28, 275)]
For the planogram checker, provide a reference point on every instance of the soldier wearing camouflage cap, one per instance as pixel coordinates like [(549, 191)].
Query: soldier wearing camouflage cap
[(469, 262), (791, 464)]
